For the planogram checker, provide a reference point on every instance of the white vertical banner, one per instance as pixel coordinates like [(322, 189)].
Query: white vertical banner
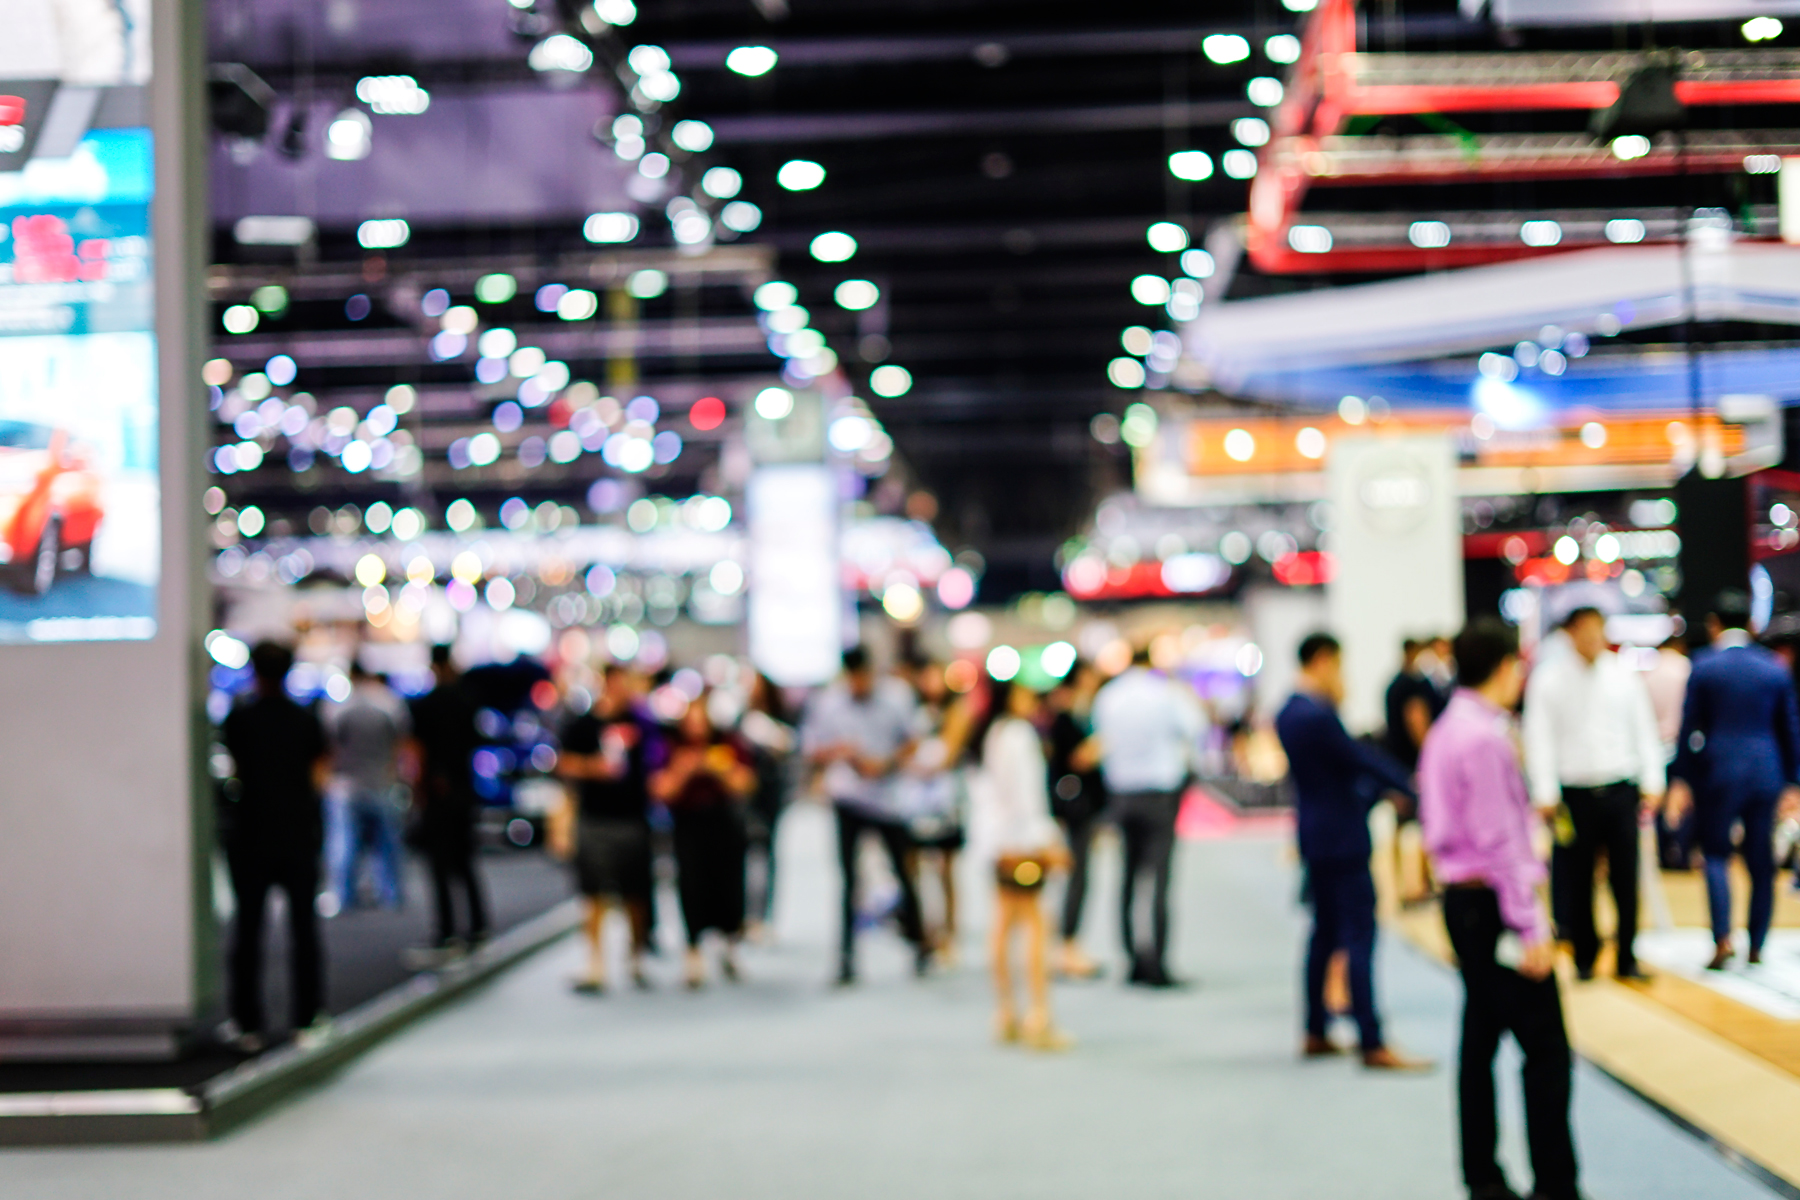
[(1787, 196), (795, 608), (1396, 542)]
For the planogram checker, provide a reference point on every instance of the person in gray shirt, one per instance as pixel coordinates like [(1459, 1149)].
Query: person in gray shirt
[(857, 734), (364, 807)]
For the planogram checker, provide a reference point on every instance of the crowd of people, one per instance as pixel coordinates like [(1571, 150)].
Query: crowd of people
[(1587, 753), (1574, 760), (922, 772), (312, 788)]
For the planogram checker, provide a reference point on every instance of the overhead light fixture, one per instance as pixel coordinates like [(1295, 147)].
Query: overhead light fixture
[(1125, 373), (775, 294), (834, 247), (393, 95), (1309, 239), (350, 136), (647, 284), (659, 86), (386, 234), (1167, 237), (751, 61), (692, 136), (890, 381), (1224, 48), (1540, 233), (616, 12), (1625, 231), (610, 227), (800, 175), (648, 59), (1251, 131), (1191, 165), (273, 231), (1428, 235), (560, 52), (721, 183), (1150, 290), (1282, 48), (856, 294), (740, 216), (1265, 91), (1239, 163), (1761, 29)]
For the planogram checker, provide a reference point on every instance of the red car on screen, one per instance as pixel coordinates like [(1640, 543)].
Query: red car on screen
[(49, 505)]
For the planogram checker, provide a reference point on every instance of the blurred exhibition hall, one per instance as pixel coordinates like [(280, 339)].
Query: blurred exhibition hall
[(803, 598)]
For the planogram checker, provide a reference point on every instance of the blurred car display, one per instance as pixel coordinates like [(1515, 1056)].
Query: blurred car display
[(49, 505)]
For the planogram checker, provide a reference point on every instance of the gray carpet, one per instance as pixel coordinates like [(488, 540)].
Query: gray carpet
[(782, 1087)]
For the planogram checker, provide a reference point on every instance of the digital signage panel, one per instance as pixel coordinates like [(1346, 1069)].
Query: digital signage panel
[(80, 536)]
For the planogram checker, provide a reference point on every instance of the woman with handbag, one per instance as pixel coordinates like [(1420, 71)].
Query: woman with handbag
[(1010, 803)]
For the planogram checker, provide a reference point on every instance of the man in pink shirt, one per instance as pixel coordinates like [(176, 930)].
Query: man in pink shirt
[(1477, 820)]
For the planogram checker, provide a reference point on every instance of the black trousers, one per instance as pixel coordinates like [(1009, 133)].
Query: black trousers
[(1343, 904), (1498, 1001), (1605, 818), (1146, 823), (852, 823), (1078, 829), (255, 871), (450, 850)]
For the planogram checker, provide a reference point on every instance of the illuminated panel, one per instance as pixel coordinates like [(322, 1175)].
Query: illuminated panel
[(796, 605), (79, 498), (1268, 445)]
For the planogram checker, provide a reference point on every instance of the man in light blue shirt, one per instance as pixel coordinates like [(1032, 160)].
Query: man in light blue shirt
[(1149, 728)]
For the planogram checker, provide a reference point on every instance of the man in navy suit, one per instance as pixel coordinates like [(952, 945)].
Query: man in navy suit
[(1738, 760), (1336, 782)]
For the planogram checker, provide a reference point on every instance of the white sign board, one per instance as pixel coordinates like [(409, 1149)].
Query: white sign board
[(796, 610), (1396, 543)]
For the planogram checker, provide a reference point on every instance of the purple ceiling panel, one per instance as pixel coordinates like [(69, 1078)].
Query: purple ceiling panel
[(505, 156), (291, 31)]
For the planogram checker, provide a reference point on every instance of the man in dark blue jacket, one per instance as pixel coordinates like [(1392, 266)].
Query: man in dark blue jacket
[(1738, 760), (1336, 782)]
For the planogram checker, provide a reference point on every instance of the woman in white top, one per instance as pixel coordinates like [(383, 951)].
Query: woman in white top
[(1013, 826)]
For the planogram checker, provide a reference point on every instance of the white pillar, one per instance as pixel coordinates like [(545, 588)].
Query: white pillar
[(1396, 540)]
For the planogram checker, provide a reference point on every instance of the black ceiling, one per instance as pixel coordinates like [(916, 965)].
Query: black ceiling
[(998, 162)]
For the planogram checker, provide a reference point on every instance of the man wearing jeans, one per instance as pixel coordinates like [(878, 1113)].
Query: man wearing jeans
[(1149, 729), (858, 733), (1477, 821), (1592, 748)]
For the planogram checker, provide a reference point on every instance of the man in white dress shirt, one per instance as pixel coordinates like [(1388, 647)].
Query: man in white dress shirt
[(1149, 728), (1592, 747)]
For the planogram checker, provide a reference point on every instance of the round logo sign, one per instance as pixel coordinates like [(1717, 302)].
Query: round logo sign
[(1393, 491)]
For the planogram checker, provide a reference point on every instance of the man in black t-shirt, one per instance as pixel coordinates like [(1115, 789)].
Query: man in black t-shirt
[(1413, 703), (274, 831), (605, 757), (444, 726), (1077, 797)]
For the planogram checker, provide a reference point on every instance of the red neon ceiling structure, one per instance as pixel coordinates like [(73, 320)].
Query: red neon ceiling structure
[(1333, 82)]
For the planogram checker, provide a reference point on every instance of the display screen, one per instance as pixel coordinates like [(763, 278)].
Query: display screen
[(80, 542)]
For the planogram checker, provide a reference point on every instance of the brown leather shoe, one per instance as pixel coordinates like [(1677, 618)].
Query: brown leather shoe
[(1386, 1058), (1722, 954), (1318, 1047)]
